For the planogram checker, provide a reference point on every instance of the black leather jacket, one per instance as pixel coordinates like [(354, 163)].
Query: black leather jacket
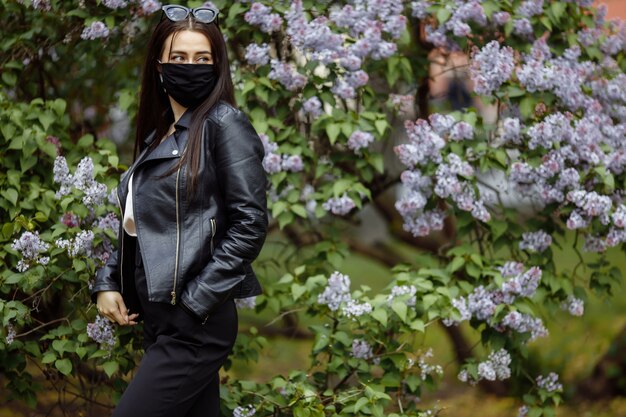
[(196, 250)]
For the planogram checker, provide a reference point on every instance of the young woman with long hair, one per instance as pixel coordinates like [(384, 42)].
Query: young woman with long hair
[(194, 216)]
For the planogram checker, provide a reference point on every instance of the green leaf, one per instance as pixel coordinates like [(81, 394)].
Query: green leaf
[(558, 8), (380, 315), (11, 195), (341, 186), (399, 307), (418, 325), (333, 130), (360, 403), (428, 300), (381, 126), (299, 210), (48, 358), (443, 14), (64, 366), (9, 78), (456, 263), (110, 367), (527, 106), (297, 290)]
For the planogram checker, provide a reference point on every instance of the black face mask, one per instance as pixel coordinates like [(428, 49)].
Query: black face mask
[(188, 84)]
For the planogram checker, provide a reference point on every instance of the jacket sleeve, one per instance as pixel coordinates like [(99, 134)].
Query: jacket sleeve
[(238, 156), (107, 277)]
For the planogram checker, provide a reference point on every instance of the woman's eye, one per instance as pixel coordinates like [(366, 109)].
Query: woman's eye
[(177, 58), (204, 60)]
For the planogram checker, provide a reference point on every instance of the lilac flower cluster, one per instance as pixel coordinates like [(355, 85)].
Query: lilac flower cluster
[(244, 411), (83, 179), (108, 222), (524, 323), (491, 66), (530, 8), (41, 5), (575, 306), (549, 383), (248, 302), (419, 9), (313, 107), (402, 103), (424, 144), (361, 349), (262, 16), (483, 303), (96, 30), (337, 296), (336, 292), (427, 369), (359, 140), (405, 292), (496, 367), (339, 206), (257, 54), (30, 246), (274, 162), (115, 4), (149, 6), (70, 219), (102, 332), (287, 74), (10, 337), (81, 244), (501, 18), (535, 241)]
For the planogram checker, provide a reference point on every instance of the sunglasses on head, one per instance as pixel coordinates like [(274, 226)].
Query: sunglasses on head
[(176, 13)]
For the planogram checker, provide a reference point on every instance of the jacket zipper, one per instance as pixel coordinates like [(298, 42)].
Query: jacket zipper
[(213, 231), (121, 265), (173, 293)]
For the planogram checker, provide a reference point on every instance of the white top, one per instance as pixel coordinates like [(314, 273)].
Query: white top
[(129, 219)]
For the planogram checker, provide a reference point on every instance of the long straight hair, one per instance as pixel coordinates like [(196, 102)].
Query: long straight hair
[(153, 114)]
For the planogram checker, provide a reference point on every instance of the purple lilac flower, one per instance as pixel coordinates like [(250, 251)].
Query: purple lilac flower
[(287, 75), (511, 129), (576, 221), (344, 90), (419, 8), (268, 145), (10, 337), (511, 269), (41, 5), (257, 54), (523, 27), (313, 107), (403, 104), (272, 163), (357, 79), (480, 303), (339, 205), (70, 219), (523, 411), (575, 306), (461, 131), (427, 369), (361, 349), (244, 411), (351, 62), (441, 123), (337, 291), (96, 30), (612, 45), (594, 244), (246, 303), (261, 15), (555, 128), (491, 67), (549, 383), (353, 309), (114, 4), (110, 222), (403, 291), (359, 140), (30, 246), (395, 25), (101, 331), (535, 241), (292, 163), (149, 6), (522, 284), (524, 323), (619, 216), (530, 8), (501, 18), (425, 223), (591, 203), (412, 202), (496, 366), (81, 244)]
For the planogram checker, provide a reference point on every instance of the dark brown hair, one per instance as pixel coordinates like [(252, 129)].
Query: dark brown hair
[(154, 107)]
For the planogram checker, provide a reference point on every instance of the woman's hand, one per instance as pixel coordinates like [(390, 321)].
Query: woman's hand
[(111, 305)]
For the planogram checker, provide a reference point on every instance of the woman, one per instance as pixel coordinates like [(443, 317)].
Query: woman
[(194, 218)]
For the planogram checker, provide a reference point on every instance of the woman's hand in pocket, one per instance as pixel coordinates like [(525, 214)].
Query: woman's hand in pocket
[(111, 305)]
